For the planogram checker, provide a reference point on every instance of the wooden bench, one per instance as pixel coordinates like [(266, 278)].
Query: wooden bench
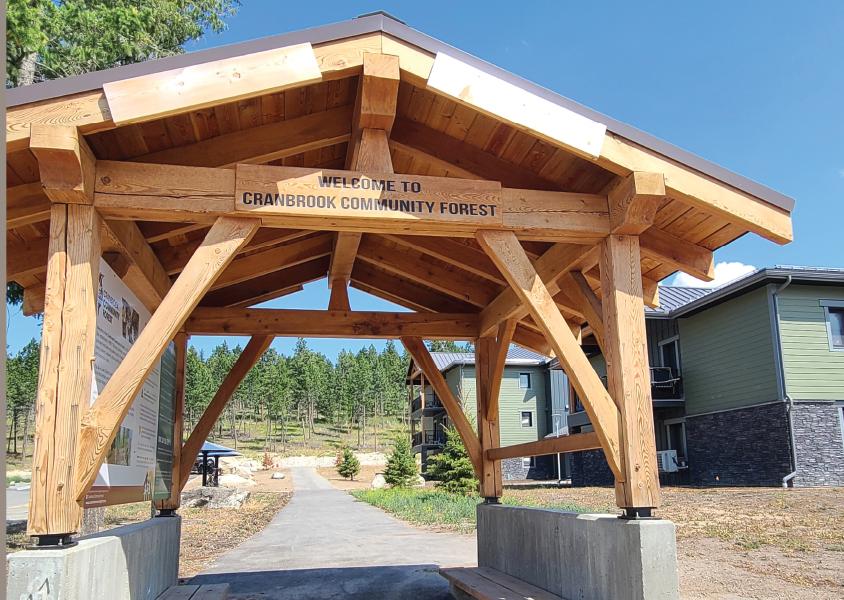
[(484, 583), (214, 591)]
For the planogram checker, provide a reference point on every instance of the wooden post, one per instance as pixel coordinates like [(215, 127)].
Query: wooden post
[(247, 359), (64, 383), (628, 375), (173, 502)]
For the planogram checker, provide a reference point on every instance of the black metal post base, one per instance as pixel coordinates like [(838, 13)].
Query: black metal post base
[(492, 500), (636, 514), (56, 541), (166, 512)]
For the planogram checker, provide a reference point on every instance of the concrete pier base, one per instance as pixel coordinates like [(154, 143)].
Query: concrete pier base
[(133, 562), (580, 557)]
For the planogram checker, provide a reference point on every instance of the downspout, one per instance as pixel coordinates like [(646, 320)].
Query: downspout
[(783, 389)]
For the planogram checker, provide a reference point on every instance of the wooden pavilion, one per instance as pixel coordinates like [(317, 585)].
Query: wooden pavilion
[(370, 154)]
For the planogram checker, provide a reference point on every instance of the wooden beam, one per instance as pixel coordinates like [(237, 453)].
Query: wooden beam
[(556, 261), (100, 423), (420, 355), (621, 156), (27, 258), (633, 202), (504, 249), (378, 92), (166, 93), (26, 204), (177, 482), (65, 162), (145, 275), (87, 112), (66, 373), (625, 348), (487, 413), (331, 323), (463, 159), (562, 444), (269, 286), (679, 253), (250, 355), (590, 304), (33, 300), (266, 261), (261, 144), (154, 231)]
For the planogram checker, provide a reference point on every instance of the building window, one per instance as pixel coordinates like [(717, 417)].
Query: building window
[(524, 381), (675, 438), (527, 418), (528, 463), (669, 354), (835, 327)]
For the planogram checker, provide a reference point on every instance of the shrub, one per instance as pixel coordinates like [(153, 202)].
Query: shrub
[(401, 466), (348, 464), (452, 468)]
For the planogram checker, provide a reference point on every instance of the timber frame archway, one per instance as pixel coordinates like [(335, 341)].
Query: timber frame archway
[(372, 155)]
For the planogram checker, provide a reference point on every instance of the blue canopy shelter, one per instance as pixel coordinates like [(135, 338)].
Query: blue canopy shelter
[(213, 451)]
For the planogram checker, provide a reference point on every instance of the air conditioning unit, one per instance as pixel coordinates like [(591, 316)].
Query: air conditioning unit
[(667, 461)]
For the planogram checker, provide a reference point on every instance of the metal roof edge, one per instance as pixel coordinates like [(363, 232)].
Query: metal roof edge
[(391, 26), (754, 280)]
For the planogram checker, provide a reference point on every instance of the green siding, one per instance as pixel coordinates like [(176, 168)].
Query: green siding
[(512, 400), (812, 370), (727, 354)]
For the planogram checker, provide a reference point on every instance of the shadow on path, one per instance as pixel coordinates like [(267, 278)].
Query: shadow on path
[(405, 582)]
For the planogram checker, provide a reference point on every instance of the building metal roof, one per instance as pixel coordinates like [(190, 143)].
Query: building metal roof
[(516, 355), (382, 22), (673, 297)]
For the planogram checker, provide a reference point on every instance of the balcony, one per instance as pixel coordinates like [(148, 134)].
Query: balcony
[(666, 384), (433, 403), (428, 438)]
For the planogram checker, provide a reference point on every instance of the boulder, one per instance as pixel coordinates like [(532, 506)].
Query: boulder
[(214, 497), (420, 482), (378, 482), (235, 481), (277, 475)]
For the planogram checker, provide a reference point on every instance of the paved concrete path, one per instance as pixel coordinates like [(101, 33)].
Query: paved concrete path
[(326, 545)]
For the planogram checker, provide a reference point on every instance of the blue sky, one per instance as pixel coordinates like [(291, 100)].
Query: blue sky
[(760, 92)]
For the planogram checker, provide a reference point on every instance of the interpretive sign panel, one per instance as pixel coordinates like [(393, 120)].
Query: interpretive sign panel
[(360, 197), (139, 463)]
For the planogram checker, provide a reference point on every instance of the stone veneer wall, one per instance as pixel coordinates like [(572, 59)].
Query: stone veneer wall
[(590, 468), (513, 469), (746, 446), (820, 444)]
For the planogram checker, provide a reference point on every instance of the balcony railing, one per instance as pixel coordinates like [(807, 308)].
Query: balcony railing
[(432, 402), (428, 438)]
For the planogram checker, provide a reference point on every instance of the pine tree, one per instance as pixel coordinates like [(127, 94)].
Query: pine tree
[(452, 468), (401, 466), (348, 464)]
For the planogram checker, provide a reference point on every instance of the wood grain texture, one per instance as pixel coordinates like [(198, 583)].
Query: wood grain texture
[(26, 204), (144, 274), (250, 355), (331, 323), (633, 202), (590, 304), (65, 162), (565, 443), (422, 357), (156, 95), (628, 375), (504, 249), (48, 374), (486, 350), (99, 425)]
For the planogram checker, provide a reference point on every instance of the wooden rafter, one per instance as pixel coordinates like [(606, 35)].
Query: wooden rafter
[(588, 301), (144, 274), (331, 323), (26, 204), (100, 423)]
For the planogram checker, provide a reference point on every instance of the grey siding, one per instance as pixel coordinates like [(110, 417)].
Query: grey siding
[(728, 355), (658, 330), (812, 370)]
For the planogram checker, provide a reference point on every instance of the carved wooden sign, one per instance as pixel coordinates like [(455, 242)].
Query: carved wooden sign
[(360, 197)]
